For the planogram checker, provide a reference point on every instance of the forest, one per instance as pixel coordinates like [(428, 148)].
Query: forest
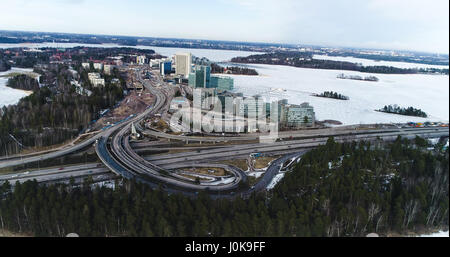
[(23, 82), (54, 112), (215, 68), (333, 95), (410, 111), (305, 60), (4, 66), (338, 189)]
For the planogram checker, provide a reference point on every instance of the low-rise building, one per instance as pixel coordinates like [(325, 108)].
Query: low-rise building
[(86, 65), (98, 65), (296, 116), (108, 68), (177, 103), (95, 79)]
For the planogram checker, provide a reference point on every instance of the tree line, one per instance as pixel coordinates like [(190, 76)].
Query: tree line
[(338, 189), (215, 68), (410, 111), (306, 60), (334, 95)]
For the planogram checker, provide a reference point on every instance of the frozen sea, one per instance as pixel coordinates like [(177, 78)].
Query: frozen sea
[(9, 95), (427, 92), (212, 54), (368, 62)]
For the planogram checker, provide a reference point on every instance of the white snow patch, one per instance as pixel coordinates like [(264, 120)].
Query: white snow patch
[(275, 181), (433, 141), (9, 95), (220, 181), (255, 174), (437, 234)]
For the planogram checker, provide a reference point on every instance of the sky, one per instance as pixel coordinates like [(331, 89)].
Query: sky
[(381, 24)]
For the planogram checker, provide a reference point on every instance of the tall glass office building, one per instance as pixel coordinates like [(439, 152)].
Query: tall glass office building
[(222, 83), (200, 78)]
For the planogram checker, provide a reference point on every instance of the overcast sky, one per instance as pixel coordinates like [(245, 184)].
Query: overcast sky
[(388, 24)]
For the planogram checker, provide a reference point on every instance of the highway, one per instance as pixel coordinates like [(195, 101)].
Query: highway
[(126, 162), (119, 155), (281, 146)]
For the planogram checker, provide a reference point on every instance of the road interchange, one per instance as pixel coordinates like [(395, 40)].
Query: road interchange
[(118, 155)]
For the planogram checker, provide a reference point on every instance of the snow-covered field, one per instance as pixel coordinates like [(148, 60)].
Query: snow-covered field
[(9, 95), (427, 92), (368, 62)]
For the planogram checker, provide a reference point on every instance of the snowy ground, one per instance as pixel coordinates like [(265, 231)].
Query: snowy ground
[(427, 92), (9, 95), (368, 62), (437, 234), (275, 180), (255, 174)]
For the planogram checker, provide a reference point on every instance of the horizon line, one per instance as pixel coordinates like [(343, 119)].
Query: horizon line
[(321, 45)]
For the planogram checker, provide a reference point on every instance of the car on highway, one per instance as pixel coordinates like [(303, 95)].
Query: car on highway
[(61, 168)]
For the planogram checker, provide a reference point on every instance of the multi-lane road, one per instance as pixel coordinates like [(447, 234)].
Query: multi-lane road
[(118, 155)]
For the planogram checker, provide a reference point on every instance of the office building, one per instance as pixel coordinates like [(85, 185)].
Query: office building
[(140, 59), (165, 67), (95, 79), (222, 83), (204, 98), (295, 116), (98, 65), (200, 77), (108, 68), (183, 64)]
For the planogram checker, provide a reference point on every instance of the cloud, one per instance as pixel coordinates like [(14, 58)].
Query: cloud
[(413, 24)]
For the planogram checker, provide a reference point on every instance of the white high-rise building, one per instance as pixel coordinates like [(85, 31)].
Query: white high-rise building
[(183, 64)]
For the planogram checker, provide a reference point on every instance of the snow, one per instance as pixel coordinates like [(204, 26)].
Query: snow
[(9, 95), (437, 234), (433, 141), (275, 181), (219, 181), (368, 62), (427, 92), (255, 174)]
